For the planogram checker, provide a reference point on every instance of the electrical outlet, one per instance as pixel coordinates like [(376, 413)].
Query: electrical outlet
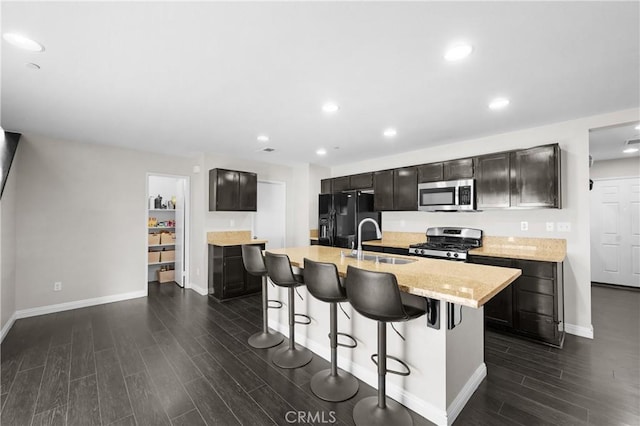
[(550, 226), (57, 286), (524, 226), (564, 226)]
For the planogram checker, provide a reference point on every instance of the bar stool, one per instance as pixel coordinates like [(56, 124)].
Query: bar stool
[(254, 264), (281, 273), (375, 295), (323, 283)]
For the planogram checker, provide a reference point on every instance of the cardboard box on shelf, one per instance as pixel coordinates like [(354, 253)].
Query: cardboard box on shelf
[(154, 256), (167, 256), (166, 276), (168, 238), (154, 239)]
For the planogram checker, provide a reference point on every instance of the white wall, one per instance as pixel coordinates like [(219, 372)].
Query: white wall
[(8, 243), (82, 219), (316, 174), (620, 167), (573, 137)]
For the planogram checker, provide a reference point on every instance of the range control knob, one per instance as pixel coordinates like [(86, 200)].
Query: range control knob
[(448, 254), (455, 254), (419, 251)]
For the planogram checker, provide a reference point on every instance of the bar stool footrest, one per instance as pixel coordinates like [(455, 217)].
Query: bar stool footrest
[(348, 336), (374, 358), (278, 304), (307, 317)]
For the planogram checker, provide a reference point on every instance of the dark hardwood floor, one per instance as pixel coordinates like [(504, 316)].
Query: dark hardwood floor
[(177, 358)]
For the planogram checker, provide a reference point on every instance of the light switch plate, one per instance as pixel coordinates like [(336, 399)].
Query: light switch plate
[(564, 226), (524, 226), (550, 226)]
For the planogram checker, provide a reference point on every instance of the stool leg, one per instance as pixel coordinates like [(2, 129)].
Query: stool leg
[(377, 410), (334, 385), (263, 339), (292, 356)]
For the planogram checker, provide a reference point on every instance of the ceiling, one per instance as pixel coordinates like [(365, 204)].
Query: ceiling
[(607, 143), (186, 78)]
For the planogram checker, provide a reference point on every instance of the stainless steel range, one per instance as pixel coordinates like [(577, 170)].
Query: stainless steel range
[(448, 243)]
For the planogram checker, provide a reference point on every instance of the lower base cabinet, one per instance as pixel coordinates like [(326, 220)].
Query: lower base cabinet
[(533, 305), (227, 276)]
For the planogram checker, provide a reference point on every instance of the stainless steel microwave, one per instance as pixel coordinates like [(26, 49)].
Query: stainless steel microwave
[(452, 195)]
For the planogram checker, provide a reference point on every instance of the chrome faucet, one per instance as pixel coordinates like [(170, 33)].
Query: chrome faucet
[(378, 234)]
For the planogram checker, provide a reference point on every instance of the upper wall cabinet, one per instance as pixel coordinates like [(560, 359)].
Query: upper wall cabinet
[(341, 184), (232, 190), (361, 181), (528, 178), (396, 189), (447, 170), (326, 186), (346, 183), (535, 177)]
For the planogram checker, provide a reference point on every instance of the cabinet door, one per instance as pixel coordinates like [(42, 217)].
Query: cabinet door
[(458, 169), (361, 181), (430, 172), (248, 191), (405, 189), (233, 281), (535, 177), (227, 190), (341, 184), (492, 181), (383, 190), (326, 186), (498, 310)]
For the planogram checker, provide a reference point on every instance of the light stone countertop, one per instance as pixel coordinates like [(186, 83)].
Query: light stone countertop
[(539, 249), (232, 238), (462, 283)]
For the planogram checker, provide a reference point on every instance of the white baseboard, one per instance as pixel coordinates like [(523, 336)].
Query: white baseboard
[(7, 327), (49, 309), (454, 410), (200, 290), (579, 330), (370, 377)]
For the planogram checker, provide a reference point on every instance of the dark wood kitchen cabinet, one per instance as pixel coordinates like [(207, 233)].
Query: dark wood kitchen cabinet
[(533, 305), (341, 184), (430, 172), (346, 183), (361, 181), (446, 170), (232, 190), (227, 276), (493, 188), (535, 177), (396, 189), (326, 186), (527, 178)]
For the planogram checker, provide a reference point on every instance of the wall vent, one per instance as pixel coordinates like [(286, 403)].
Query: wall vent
[(267, 149), (633, 141)]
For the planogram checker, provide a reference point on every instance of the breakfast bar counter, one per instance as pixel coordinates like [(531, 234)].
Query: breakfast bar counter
[(447, 362)]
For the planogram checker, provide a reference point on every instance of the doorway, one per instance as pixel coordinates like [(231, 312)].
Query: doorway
[(269, 223), (168, 229)]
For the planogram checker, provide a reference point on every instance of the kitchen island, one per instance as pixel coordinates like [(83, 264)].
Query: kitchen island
[(447, 364)]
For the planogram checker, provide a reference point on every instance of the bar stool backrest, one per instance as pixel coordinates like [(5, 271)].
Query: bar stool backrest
[(375, 295), (323, 282), (253, 260), (280, 271)]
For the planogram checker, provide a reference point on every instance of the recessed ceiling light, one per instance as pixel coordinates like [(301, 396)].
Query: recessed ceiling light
[(32, 66), (499, 103), (23, 42), (330, 107), (457, 52), (390, 132), (321, 151), (630, 150), (263, 138)]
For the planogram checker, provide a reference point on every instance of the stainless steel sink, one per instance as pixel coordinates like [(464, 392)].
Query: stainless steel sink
[(382, 259)]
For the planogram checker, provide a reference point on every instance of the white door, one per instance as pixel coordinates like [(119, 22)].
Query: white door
[(615, 231), (269, 221), (180, 233)]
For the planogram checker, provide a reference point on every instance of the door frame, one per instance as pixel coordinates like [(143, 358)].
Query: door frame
[(284, 186), (187, 226)]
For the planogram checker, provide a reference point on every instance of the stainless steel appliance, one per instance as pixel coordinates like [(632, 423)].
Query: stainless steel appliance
[(448, 243), (339, 216), (451, 195)]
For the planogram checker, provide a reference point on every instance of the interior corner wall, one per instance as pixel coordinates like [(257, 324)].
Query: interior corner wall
[(81, 219), (573, 137), (8, 245), (618, 168)]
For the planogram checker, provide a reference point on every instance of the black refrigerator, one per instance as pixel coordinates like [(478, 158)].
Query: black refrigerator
[(339, 216)]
